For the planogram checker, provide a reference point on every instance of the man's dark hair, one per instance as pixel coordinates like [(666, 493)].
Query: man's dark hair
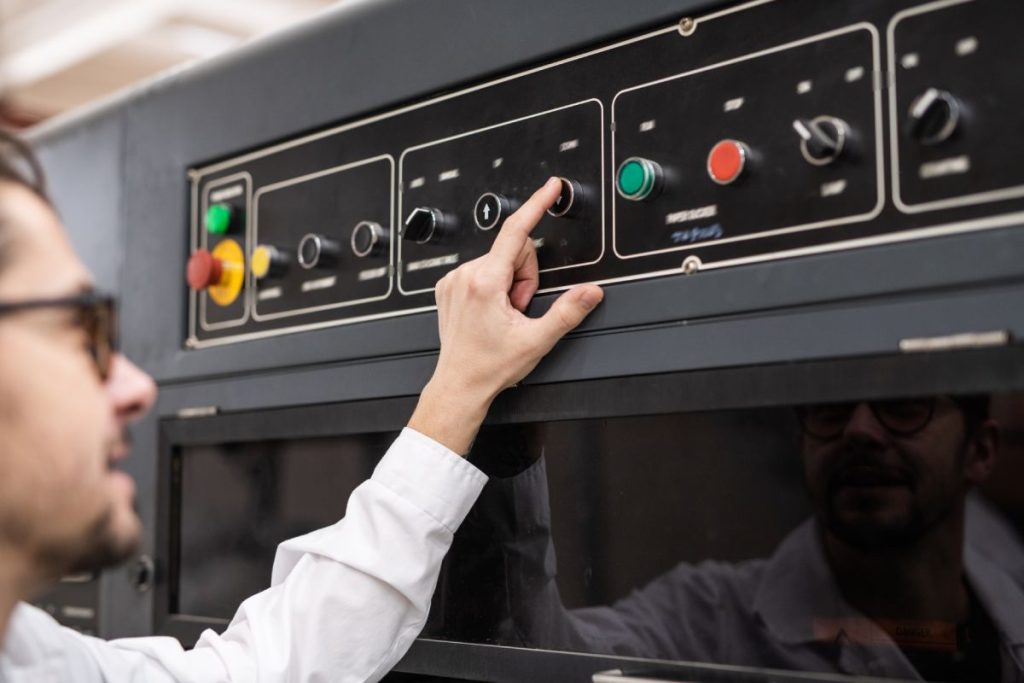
[(18, 164), (975, 410)]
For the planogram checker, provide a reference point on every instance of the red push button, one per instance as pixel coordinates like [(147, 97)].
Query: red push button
[(726, 161), (204, 270)]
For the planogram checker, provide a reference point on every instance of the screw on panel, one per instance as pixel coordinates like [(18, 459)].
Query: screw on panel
[(687, 26), (691, 265)]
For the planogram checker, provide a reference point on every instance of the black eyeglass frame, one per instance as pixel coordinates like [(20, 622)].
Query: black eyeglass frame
[(98, 318), (877, 409)]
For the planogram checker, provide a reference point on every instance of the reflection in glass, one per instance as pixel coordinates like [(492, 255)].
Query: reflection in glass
[(879, 538), (238, 501), (647, 537)]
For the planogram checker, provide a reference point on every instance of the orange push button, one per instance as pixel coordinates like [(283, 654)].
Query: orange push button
[(727, 161)]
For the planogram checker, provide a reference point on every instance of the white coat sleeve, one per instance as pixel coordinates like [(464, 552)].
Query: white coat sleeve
[(346, 601)]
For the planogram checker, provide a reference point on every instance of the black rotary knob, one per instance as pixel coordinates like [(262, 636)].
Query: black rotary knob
[(822, 139), (368, 239), (423, 225), (934, 117), (317, 251)]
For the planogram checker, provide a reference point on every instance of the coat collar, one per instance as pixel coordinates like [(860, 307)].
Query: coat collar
[(799, 602)]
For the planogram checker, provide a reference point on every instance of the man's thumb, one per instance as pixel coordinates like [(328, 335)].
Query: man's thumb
[(569, 310)]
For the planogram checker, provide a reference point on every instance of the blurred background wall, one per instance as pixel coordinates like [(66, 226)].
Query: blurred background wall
[(57, 55)]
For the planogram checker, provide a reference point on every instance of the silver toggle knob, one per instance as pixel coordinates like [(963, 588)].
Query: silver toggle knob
[(822, 139), (934, 117)]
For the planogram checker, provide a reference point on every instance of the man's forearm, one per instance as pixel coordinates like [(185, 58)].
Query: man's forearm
[(450, 415)]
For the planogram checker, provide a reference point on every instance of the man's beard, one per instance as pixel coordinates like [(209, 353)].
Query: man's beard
[(873, 530), (869, 535), (97, 548)]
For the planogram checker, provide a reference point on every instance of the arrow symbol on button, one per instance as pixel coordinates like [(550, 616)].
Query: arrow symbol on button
[(487, 212)]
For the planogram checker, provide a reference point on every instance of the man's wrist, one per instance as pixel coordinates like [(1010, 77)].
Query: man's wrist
[(450, 415)]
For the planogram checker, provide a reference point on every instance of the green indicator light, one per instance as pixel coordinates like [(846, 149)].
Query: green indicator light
[(632, 178), (218, 219)]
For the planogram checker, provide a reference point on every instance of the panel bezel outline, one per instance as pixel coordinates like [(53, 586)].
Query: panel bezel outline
[(441, 141), (201, 240), (804, 227), (298, 180), (984, 197)]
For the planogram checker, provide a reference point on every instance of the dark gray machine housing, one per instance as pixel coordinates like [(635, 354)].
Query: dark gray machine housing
[(800, 329)]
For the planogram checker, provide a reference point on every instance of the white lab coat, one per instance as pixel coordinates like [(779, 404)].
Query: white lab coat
[(345, 602)]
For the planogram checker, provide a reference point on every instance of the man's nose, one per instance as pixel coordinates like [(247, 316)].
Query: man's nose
[(131, 391), (864, 425)]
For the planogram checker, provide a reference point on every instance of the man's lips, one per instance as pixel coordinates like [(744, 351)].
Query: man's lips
[(117, 452), (865, 476)]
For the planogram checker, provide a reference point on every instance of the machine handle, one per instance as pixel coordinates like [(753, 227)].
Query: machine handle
[(618, 676)]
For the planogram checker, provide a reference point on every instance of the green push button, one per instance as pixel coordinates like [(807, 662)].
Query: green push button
[(218, 219), (638, 178)]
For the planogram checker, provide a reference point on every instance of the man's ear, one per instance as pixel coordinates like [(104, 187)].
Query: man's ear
[(981, 452)]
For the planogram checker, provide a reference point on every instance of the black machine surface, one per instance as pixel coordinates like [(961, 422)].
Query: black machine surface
[(805, 214), (681, 150)]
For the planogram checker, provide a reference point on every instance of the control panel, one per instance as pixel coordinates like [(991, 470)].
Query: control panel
[(458, 191), (955, 105), (732, 138), (74, 602), (305, 228), (218, 262), (765, 159)]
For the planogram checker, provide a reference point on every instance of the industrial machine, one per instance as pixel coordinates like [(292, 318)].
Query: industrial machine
[(793, 205)]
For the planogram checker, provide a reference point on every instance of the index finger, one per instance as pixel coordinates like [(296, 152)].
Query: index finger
[(516, 230)]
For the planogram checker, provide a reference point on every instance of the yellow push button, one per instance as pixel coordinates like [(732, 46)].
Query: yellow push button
[(268, 261), (232, 277)]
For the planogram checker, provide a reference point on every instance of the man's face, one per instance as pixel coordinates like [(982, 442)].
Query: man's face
[(874, 489), (63, 505)]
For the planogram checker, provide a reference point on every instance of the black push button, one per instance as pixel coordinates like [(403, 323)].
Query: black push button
[(490, 210), (569, 200), (316, 251), (368, 239)]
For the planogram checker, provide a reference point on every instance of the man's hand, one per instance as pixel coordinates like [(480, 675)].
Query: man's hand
[(487, 343)]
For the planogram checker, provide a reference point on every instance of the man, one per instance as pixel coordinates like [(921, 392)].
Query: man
[(995, 512), (346, 601), (878, 583)]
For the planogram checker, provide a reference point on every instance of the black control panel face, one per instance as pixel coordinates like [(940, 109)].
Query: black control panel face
[(955, 105), (734, 166), (474, 181), (74, 602), (759, 131), (227, 202), (311, 224)]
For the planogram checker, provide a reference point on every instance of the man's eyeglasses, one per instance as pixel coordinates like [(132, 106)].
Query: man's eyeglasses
[(902, 417), (95, 313)]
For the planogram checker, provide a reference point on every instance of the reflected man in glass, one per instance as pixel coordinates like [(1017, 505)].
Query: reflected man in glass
[(878, 582)]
